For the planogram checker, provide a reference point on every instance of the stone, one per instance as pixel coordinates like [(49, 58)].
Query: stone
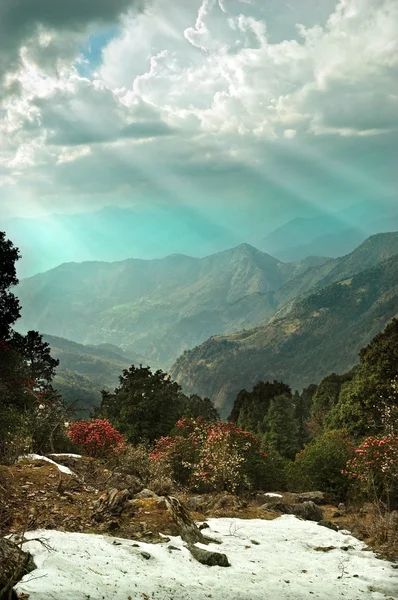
[(196, 503), (124, 481), (209, 558), (145, 493), (328, 524), (316, 497), (306, 510)]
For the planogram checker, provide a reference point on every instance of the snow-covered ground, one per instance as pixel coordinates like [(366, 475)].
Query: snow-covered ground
[(270, 560), (61, 468)]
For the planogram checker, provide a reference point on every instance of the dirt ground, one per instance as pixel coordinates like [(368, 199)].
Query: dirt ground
[(36, 495)]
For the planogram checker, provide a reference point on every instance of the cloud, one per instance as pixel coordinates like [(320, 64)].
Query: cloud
[(243, 99), (50, 28)]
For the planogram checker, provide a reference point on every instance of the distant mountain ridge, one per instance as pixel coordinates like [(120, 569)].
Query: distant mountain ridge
[(331, 234), (84, 371), (320, 333), (159, 308)]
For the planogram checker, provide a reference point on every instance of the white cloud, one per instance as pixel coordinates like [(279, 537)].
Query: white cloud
[(198, 85)]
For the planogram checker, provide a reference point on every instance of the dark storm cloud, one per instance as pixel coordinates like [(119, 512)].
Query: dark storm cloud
[(20, 20)]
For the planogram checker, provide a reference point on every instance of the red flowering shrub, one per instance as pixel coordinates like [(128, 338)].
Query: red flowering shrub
[(375, 468), (96, 437), (207, 455)]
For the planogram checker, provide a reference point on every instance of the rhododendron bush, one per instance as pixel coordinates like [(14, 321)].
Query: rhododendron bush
[(375, 468), (96, 437), (207, 455)]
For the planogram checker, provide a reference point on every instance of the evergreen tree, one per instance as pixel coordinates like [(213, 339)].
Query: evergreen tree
[(145, 406), (281, 426), (250, 408), (302, 407), (9, 305), (325, 398), (200, 407), (365, 404)]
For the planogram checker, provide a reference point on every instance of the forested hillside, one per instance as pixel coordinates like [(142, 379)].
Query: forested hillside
[(84, 371), (320, 334)]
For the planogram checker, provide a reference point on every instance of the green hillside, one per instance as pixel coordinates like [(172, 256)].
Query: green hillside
[(84, 371), (321, 333)]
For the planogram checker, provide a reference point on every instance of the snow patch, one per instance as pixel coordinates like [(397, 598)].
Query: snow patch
[(269, 559), (272, 495), (62, 468)]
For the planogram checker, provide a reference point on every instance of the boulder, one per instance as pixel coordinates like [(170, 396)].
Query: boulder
[(225, 501), (145, 493), (209, 558), (328, 524), (307, 510), (124, 481), (197, 503), (315, 497)]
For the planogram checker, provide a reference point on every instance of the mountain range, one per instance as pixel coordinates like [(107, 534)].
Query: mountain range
[(265, 318), (330, 235), (312, 336), (157, 308)]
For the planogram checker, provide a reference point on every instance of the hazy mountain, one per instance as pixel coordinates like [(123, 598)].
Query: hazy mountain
[(330, 234), (112, 234), (159, 308), (155, 307), (83, 371), (322, 333)]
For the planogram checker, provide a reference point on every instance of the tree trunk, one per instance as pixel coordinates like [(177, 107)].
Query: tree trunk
[(191, 534), (14, 564)]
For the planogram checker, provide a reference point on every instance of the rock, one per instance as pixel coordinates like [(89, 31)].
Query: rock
[(341, 507), (316, 497), (307, 510), (145, 493), (196, 503), (226, 500), (328, 524), (111, 502), (145, 555), (124, 481), (209, 558)]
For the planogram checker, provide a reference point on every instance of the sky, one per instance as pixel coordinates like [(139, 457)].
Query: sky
[(249, 112)]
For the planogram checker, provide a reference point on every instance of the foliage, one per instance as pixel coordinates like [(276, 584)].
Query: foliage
[(324, 399), (9, 305), (281, 431), (375, 468), (321, 465), (250, 408), (213, 456), (317, 335), (200, 407), (366, 403), (145, 406), (96, 437)]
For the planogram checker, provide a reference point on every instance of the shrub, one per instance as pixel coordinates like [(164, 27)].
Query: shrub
[(321, 465), (375, 468), (212, 456), (96, 437)]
